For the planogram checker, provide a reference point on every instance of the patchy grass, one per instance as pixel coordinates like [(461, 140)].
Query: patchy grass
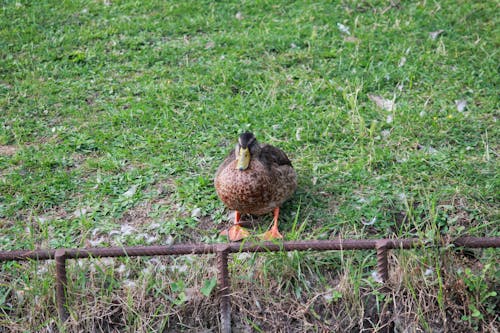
[(115, 116)]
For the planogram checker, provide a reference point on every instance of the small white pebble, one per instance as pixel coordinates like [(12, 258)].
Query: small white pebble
[(344, 29), (169, 240), (179, 268), (127, 230), (402, 62), (435, 34), (121, 269), (401, 159), (96, 242), (42, 219), (196, 212), (79, 212), (461, 104), (243, 256), (376, 277), (130, 192), (129, 284), (42, 269), (151, 239)]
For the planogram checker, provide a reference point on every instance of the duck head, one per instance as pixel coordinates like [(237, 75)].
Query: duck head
[(246, 148)]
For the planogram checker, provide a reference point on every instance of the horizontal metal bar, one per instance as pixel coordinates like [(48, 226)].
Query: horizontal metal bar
[(224, 291), (477, 242), (180, 249)]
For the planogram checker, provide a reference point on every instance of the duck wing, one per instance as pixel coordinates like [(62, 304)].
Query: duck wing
[(271, 155)]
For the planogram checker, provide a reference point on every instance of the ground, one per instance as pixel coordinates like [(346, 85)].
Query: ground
[(116, 114)]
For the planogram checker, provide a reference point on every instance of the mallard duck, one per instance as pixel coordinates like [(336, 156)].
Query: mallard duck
[(255, 179)]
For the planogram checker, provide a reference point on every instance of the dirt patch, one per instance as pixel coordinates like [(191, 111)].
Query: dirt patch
[(205, 223), (8, 150), (141, 214), (137, 215)]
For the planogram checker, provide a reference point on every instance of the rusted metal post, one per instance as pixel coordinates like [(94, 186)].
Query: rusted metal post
[(477, 242), (382, 246), (61, 283), (382, 261), (223, 282)]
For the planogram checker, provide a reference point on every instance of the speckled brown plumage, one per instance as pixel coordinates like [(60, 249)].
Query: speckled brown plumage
[(268, 181)]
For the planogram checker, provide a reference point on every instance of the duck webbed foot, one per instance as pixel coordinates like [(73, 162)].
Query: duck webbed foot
[(236, 232), (273, 233)]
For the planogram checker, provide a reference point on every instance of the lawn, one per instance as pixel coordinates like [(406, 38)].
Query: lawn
[(115, 115)]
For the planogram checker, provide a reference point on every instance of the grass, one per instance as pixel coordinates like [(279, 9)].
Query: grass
[(115, 116)]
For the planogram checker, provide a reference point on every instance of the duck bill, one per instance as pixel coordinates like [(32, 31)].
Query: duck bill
[(243, 159)]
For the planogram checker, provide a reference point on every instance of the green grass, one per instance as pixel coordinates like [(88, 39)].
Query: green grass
[(114, 117)]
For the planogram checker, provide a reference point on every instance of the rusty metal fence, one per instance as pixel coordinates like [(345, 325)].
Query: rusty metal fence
[(222, 251)]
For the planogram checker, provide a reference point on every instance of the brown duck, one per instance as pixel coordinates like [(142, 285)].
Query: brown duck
[(255, 179)]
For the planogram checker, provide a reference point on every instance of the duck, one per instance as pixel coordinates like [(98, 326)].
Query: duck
[(254, 179)]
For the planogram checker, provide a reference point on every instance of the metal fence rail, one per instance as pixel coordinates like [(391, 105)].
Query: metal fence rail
[(382, 246)]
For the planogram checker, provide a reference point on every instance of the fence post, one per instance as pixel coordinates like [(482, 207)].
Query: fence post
[(382, 261), (61, 283), (223, 282), (382, 247)]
